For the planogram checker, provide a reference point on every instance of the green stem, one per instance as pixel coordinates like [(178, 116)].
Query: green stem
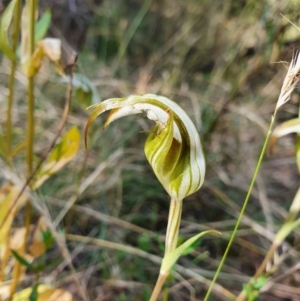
[(31, 128), (32, 4), (30, 124), (173, 225), (170, 244), (11, 81), (158, 286), (243, 208), (30, 90)]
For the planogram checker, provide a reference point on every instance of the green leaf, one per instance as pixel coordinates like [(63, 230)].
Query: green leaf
[(171, 258), (191, 248), (259, 283), (42, 26), (85, 91), (34, 293), (247, 289), (4, 26), (22, 260), (48, 239), (252, 288), (64, 152)]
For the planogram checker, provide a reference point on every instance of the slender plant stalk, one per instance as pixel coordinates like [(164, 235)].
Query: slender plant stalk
[(30, 117), (243, 208), (30, 91), (30, 142), (173, 225), (158, 286), (10, 100), (30, 124), (11, 81), (171, 243)]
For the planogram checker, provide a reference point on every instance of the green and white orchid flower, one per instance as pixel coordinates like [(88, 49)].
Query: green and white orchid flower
[(174, 151), (173, 148)]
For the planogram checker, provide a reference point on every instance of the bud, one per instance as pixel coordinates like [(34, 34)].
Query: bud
[(173, 148)]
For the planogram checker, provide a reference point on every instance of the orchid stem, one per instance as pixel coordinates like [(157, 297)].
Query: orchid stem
[(158, 286), (171, 243), (173, 225)]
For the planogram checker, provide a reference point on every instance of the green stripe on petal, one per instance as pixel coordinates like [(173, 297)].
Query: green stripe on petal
[(162, 151)]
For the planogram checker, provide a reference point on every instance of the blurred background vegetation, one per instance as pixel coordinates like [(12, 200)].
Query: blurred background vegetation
[(224, 62)]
